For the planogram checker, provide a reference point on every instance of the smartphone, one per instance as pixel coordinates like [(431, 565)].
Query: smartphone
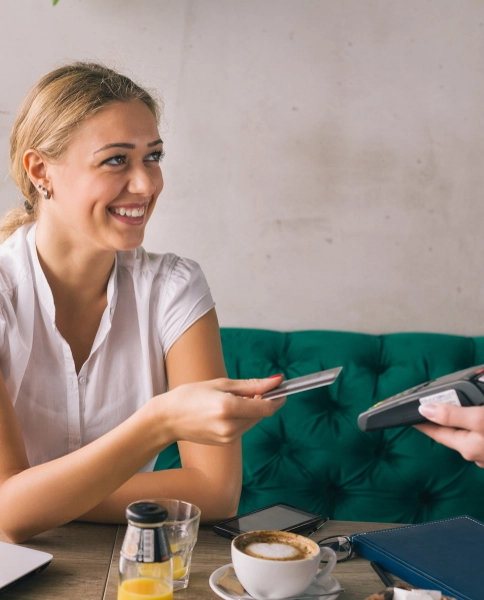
[(301, 384), (279, 517)]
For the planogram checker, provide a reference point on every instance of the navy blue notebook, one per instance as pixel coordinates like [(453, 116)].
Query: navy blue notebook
[(445, 555)]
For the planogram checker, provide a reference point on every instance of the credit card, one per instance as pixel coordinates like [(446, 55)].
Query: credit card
[(304, 383)]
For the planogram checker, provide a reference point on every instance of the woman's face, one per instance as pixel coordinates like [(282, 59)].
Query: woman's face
[(104, 188)]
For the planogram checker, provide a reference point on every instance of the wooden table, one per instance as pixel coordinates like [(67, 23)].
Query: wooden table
[(85, 564)]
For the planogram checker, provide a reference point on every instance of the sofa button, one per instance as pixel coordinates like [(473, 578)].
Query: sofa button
[(284, 449)]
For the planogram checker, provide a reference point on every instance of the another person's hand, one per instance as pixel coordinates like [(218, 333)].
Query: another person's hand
[(458, 427), (219, 411)]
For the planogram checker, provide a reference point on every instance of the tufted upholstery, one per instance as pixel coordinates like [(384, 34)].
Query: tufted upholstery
[(311, 453)]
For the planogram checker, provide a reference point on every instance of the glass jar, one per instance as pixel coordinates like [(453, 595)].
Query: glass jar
[(145, 564)]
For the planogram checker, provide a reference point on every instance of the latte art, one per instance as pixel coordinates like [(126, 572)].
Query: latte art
[(278, 564), (276, 547)]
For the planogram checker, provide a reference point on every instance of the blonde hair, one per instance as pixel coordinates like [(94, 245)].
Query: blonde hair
[(49, 116)]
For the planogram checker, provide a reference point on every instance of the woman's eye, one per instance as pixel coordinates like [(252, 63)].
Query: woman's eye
[(156, 156), (119, 159)]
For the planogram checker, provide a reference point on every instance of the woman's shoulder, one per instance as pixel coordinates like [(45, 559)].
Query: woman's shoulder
[(164, 266), (167, 280)]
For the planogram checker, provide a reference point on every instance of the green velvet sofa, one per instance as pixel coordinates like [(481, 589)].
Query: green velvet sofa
[(311, 454)]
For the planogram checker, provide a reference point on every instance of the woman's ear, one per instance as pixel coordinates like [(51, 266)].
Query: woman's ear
[(36, 168)]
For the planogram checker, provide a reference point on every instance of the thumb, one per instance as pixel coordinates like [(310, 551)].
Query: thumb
[(253, 387), (432, 412), (461, 417)]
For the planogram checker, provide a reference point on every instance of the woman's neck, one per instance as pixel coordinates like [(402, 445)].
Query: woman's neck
[(75, 273), (78, 279)]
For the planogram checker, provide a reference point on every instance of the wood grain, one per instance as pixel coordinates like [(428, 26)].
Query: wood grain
[(86, 558), (213, 551), (82, 556)]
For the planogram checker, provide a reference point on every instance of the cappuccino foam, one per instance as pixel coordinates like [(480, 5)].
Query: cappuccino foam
[(274, 546), (275, 551)]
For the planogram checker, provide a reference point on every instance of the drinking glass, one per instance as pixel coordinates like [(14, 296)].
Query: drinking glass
[(181, 527)]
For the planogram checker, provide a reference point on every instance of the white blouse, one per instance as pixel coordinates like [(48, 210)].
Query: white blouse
[(152, 300)]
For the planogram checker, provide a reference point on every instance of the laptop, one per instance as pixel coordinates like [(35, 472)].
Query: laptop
[(17, 562)]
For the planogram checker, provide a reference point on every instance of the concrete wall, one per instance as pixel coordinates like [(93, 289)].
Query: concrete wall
[(323, 157)]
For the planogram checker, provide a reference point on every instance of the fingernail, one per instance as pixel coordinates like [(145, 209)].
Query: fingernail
[(427, 410), (272, 376)]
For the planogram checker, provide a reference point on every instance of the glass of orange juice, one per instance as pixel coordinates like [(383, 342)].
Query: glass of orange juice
[(181, 526), (144, 588)]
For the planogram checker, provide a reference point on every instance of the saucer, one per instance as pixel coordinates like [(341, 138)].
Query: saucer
[(330, 584)]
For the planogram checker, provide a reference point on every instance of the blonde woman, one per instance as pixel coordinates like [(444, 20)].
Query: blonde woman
[(108, 353)]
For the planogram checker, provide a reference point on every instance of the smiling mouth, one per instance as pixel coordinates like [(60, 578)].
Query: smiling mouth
[(129, 212)]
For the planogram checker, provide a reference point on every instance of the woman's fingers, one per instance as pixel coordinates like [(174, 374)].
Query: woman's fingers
[(460, 417), (249, 387), (458, 427), (218, 411)]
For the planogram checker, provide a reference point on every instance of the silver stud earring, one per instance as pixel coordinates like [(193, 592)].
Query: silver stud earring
[(45, 191)]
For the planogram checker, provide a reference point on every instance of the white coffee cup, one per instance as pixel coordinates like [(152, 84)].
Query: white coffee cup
[(272, 565)]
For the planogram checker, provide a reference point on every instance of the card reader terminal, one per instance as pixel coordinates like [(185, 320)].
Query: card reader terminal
[(462, 388)]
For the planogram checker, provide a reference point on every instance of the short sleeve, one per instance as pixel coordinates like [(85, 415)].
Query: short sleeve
[(2, 324), (186, 297)]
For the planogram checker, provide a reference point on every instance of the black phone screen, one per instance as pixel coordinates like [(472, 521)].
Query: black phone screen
[(280, 517)]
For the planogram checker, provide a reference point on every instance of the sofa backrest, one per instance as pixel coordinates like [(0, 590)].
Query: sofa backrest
[(312, 454)]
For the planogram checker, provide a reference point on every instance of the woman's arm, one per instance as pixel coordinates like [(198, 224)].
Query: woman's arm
[(100, 479), (34, 499), (211, 476), (458, 427)]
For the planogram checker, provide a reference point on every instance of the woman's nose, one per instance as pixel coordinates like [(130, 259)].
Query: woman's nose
[(143, 182)]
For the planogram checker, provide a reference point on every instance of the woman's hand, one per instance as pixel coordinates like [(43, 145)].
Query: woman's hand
[(458, 427), (216, 412)]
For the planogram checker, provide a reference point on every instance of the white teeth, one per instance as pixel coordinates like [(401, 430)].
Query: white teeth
[(130, 212)]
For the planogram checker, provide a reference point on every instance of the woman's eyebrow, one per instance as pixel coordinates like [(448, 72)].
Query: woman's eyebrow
[(127, 145)]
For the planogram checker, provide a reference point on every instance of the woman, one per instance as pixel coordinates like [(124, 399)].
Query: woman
[(94, 330)]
